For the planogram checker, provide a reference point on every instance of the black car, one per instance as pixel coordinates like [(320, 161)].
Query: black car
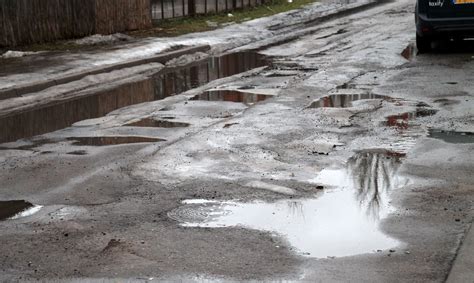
[(443, 19)]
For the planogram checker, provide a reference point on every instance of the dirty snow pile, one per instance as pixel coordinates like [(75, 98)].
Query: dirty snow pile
[(16, 54), (97, 39)]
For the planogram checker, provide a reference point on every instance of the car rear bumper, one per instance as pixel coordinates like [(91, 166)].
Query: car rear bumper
[(444, 27)]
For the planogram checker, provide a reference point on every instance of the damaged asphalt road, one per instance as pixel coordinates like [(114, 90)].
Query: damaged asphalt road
[(340, 156)]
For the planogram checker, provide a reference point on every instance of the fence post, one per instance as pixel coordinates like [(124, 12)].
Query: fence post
[(162, 9), (172, 8), (191, 8), (151, 10)]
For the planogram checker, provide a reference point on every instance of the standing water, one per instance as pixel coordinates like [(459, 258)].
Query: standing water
[(168, 82), (343, 221)]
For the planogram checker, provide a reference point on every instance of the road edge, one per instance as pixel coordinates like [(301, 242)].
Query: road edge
[(461, 270), (18, 91)]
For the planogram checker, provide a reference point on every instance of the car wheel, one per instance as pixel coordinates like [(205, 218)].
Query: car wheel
[(423, 44)]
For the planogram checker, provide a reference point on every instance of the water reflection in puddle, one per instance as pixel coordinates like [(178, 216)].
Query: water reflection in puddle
[(343, 100), (149, 122), (452, 136), (231, 96), (168, 82), (401, 121), (103, 141), (16, 209), (343, 221)]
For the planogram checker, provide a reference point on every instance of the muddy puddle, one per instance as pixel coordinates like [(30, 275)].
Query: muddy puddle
[(343, 100), (104, 141), (150, 122), (168, 82), (16, 209), (343, 220), (232, 96), (452, 136)]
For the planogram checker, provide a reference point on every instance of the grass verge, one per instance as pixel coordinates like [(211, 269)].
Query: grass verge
[(199, 23)]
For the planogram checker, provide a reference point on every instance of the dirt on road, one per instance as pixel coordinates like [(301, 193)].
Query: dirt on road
[(340, 155)]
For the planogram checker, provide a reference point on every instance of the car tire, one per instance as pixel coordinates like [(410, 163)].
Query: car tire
[(423, 44)]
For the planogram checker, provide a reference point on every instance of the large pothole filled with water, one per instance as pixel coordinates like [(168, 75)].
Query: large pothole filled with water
[(342, 221)]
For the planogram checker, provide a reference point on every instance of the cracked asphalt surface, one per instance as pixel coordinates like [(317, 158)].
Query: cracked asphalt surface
[(106, 209)]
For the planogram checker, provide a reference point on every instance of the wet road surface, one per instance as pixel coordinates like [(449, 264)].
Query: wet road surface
[(347, 157)]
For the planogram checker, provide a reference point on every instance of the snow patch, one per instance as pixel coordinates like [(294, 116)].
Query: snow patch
[(16, 54), (97, 39)]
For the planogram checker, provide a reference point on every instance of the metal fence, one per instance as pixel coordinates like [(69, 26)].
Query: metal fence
[(167, 9)]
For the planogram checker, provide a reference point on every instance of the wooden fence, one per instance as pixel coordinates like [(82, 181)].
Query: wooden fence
[(37, 21)]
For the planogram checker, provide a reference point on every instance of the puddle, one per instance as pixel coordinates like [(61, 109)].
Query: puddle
[(452, 136), (180, 80), (149, 122), (103, 141), (343, 100), (15, 209), (343, 221), (168, 82), (232, 96), (402, 121), (409, 52), (77, 152)]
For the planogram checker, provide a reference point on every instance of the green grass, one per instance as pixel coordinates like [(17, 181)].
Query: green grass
[(179, 26)]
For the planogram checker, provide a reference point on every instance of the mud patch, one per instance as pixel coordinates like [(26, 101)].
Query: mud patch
[(16, 209), (409, 52), (343, 100), (232, 96), (343, 221), (104, 141), (452, 136), (149, 122)]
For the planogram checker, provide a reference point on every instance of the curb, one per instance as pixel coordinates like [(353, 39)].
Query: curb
[(42, 85)]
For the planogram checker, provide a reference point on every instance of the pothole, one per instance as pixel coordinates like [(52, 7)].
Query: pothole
[(232, 96), (343, 100), (15, 209), (149, 122), (343, 221), (104, 141), (452, 136)]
